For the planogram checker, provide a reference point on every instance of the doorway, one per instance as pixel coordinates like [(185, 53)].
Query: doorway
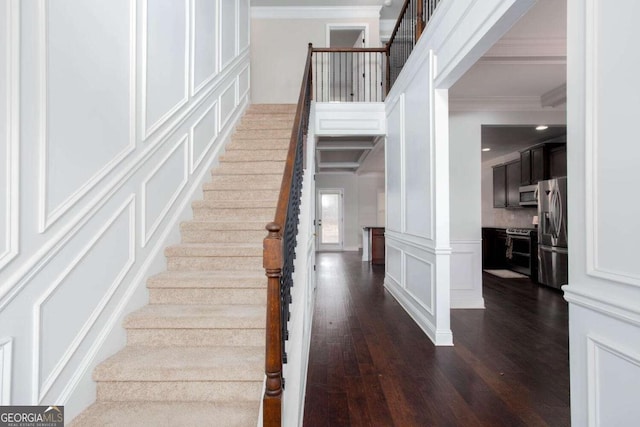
[(330, 219)]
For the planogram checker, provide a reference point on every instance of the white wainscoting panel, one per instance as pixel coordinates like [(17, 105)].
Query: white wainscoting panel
[(611, 214), (92, 276), (86, 103), (124, 100), (353, 118), (394, 158), (420, 281), (6, 356), (203, 134), (204, 56), (613, 371), (165, 62), (9, 129), (466, 274), (227, 103), (162, 188), (243, 83), (394, 263), (418, 157), (244, 27), (228, 33)]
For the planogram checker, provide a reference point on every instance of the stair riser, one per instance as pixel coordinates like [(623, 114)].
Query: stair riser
[(266, 124), (245, 182), (258, 144), (241, 194), (207, 296), (214, 263), (269, 116), (272, 108), (264, 134), (244, 214), (219, 236), (178, 391), (195, 337), (249, 168), (253, 155)]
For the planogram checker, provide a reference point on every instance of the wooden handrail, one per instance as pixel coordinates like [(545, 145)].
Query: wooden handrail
[(398, 22), (274, 259)]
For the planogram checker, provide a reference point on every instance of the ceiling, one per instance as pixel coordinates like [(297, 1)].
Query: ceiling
[(504, 139), (349, 154)]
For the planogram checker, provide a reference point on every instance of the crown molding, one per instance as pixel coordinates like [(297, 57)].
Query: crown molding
[(555, 97), (315, 12), (500, 103)]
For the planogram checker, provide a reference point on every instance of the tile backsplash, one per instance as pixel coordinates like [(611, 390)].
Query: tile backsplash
[(508, 218)]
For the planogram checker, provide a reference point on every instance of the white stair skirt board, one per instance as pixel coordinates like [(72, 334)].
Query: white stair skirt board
[(196, 352), (506, 274)]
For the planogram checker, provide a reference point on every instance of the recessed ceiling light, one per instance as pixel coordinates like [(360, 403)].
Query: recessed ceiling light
[(486, 149), (542, 127)]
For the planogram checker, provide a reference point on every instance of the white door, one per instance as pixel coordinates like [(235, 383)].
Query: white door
[(329, 221)]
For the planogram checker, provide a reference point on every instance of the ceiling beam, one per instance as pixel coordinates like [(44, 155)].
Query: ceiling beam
[(554, 97)]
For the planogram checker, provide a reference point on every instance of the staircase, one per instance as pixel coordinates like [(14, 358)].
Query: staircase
[(195, 354)]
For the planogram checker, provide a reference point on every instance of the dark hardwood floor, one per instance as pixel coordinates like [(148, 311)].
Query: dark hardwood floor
[(371, 365)]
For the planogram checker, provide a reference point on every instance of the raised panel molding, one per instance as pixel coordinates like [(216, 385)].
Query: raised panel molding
[(601, 412), (354, 118), (42, 385), (47, 215), (227, 103), (315, 12), (415, 261), (9, 206), (593, 147), (243, 82), (150, 125), (6, 356), (147, 231), (196, 87), (196, 156)]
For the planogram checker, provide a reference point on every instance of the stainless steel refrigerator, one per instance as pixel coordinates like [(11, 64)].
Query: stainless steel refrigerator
[(552, 232)]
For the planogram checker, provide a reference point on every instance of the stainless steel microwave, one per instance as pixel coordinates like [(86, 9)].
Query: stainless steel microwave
[(529, 195)]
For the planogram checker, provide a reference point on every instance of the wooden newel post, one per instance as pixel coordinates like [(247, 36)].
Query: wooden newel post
[(272, 263)]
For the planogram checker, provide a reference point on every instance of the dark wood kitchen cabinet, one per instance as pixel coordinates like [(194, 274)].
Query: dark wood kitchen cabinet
[(500, 186), (377, 245), (542, 161), (494, 241), (506, 185)]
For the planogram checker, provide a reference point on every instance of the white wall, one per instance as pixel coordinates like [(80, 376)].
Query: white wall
[(280, 38), (124, 106), (471, 195), (302, 299), (602, 160), (418, 184)]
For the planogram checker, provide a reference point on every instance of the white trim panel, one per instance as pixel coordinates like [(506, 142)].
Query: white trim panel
[(41, 386), (10, 132), (6, 358)]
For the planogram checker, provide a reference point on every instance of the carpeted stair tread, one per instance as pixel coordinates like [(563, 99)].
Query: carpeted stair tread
[(264, 134), (224, 225), (258, 144), (169, 414), (166, 316), (240, 194), (166, 364), (244, 182), (214, 250), (236, 204), (208, 279), (272, 108), (258, 156), (249, 167)]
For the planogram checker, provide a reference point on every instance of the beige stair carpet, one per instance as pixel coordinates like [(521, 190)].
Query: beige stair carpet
[(195, 353)]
